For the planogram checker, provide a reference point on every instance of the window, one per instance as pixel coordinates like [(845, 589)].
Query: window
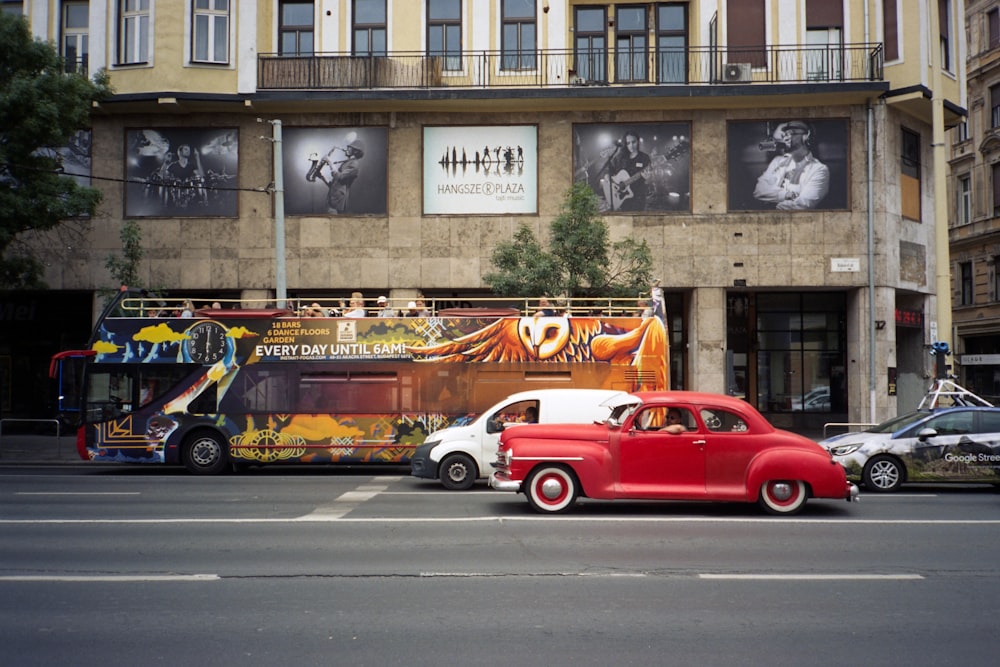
[(962, 132), (995, 106), (295, 29), (631, 42), (891, 37), (590, 48), (518, 39), (944, 26), (133, 33), (964, 203), (993, 25), (370, 28), (909, 181), (210, 31), (671, 43), (996, 277), (745, 25), (75, 38), (444, 32), (824, 35), (996, 189), (965, 269), (14, 7)]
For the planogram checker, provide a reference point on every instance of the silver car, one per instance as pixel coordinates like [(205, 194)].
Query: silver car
[(956, 444)]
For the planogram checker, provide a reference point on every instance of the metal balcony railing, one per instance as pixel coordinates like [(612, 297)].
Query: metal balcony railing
[(548, 68)]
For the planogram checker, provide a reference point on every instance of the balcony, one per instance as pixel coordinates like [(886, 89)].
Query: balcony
[(548, 68)]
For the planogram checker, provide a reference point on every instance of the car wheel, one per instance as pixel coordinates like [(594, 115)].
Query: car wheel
[(783, 496), (205, 454), (457, 472), (883, 474), (551, 489)]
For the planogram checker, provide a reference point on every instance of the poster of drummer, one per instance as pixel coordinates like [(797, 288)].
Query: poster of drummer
[(181, 172), (635, 167), (480, 169)]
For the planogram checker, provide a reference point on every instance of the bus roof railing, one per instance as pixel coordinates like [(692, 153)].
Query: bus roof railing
[(149, 305)]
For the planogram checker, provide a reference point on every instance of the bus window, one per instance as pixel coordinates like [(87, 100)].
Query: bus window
[(355, 392), (109, 392), (257, 390)]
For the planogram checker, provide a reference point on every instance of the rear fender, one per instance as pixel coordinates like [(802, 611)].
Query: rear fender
[(790, 464)]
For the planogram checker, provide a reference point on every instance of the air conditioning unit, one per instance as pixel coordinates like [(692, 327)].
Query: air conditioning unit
[(736, 72)]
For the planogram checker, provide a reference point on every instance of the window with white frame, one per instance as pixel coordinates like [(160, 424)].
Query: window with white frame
[(210, 31), (133, 32), (964, 194), (75, 36)]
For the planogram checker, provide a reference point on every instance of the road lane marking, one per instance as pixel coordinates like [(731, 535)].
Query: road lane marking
[(77, 493), (344, 503), (319, 516), (812, 577), (104, 578)]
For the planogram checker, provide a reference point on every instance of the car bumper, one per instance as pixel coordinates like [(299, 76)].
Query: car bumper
[(852, 493), (421, 464), (501, 482)]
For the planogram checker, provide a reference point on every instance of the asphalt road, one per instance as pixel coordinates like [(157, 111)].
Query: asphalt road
[(135, 566)]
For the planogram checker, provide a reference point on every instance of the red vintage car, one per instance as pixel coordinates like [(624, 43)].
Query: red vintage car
[(671, 445)]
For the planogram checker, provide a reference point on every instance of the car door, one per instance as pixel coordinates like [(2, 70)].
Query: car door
[(935, 448), (656, 463)]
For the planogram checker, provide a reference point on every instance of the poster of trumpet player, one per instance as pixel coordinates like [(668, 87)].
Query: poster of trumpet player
[(481, 169), (634, 167), (788, 164), (181, 172), (334, 170)]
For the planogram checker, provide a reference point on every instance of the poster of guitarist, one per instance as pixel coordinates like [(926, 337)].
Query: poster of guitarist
[(625, 186), (635, 167)]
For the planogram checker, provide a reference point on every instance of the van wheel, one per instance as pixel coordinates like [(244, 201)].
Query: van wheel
[(205, 454), (457, 472)]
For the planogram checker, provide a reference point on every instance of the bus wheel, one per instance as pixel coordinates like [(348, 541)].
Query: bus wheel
[(205, 454), (457, 472)]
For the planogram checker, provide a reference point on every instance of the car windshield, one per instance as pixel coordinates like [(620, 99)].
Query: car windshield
[(621, 412), (896, 423)]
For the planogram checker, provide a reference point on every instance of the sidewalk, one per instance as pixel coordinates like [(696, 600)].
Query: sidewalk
[(39, 449)]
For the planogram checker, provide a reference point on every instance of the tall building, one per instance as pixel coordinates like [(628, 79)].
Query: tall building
[(778, 156), (974, 227)]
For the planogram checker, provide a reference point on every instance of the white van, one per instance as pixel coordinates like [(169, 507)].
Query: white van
[(460, 455)]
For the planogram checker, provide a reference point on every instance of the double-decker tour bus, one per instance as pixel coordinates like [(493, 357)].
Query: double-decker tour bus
[(233, 386)]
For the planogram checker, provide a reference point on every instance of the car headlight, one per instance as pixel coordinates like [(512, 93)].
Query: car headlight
[(844, 450)]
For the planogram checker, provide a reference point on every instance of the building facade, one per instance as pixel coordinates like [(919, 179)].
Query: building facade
[(776, 155), (974, 226)]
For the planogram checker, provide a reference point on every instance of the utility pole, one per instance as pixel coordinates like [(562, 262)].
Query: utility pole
[(941, 343), (280, 289)]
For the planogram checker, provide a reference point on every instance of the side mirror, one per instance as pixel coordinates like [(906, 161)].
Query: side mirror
[(926, 433)]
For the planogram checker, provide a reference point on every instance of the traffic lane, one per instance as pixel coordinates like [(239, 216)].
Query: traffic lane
[(498, 545), (597, 620)]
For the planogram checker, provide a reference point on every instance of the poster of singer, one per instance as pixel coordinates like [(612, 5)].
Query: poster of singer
[(635, 167), (181, 172), (788, 164), (334, 170)]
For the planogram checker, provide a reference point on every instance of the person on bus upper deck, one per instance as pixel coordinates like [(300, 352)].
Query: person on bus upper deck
[(314, 310), (545, 309), (187, 311), (357, 304), (385, 310)]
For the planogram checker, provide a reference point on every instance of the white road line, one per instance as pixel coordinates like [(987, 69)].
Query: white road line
[(112, 577), (77, 493), (344, 503), (330, 513), (812, 577)]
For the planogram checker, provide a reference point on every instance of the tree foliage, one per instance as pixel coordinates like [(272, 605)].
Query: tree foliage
[(41, 107), (124, 268), (579, 261)]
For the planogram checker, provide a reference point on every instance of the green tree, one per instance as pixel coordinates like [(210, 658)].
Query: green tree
[(125, 268), (41, 107), (579, 262)]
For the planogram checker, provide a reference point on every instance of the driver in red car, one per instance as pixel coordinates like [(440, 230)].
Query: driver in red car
[(674, 422)]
